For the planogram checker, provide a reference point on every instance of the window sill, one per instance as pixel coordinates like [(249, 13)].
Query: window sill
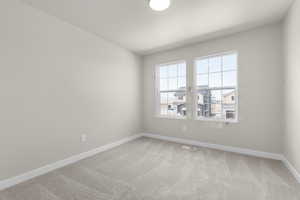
[(217, 120), (198, 119), (170, 117)]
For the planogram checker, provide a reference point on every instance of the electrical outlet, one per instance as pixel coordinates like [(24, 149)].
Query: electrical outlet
[(83, 138)]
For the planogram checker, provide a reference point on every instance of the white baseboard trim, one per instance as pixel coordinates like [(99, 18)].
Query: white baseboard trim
[(217, 146), (292, 169), (4, 184), (243, 151)]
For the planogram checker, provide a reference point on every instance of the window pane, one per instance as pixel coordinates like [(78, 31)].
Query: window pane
[(181, 83), (163, 98), (163, 84), (176, 103), (229, 78), (230, 62), (209, 110), (210, 96), (228, 96), (172, 83), (215, 64), (216, 110), (202, 103), (202, 80), (204, 96), (202, 66), (172, 71), (215, 80), (215, 96), (170, 80), (163, 72), (203, 110), (230, 114), (208, 103), (200, 98), (164, 109), (163, 103), (229, 104), (182, 70)]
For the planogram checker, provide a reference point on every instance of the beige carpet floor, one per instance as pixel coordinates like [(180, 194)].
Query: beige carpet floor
[(148, 169)]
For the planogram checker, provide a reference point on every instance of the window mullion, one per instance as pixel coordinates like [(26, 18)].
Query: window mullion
[(222, 87), (209, 105), (194, 95)]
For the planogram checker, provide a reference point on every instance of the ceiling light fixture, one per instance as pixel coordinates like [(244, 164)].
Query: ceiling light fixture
[(159, 5)]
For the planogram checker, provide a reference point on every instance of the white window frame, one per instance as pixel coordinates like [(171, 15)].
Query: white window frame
[(194, 90), (157, 90)]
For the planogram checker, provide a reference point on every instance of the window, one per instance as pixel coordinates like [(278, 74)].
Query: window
[(213, 96), (171, 89), (216, 87)]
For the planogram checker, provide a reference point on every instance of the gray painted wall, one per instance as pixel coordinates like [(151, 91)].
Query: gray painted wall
[(58, 82), (292, 91), (260, 124)]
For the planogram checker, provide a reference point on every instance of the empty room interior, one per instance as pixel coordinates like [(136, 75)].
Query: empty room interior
[(150, 99)]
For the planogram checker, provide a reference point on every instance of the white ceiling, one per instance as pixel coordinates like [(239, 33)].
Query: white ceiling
[(133, 25)]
